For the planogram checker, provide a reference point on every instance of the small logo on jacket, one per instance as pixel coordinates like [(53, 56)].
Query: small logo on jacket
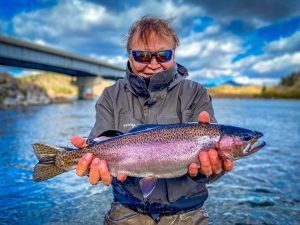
[(129, 125)]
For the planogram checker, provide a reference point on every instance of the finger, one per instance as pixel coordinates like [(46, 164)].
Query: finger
[(94, 171), (121, 177), (104, 173), (204, 117), (193, 169), (83, 164), (205, 167), (227, 165), (215, 162), (78, 141)]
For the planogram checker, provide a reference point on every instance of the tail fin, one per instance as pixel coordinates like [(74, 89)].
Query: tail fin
[(46, 167)]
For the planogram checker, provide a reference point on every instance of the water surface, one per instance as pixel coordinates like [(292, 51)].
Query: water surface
[(262, 189)]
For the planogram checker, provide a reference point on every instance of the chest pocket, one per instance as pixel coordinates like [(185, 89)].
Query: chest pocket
[(126, 122)]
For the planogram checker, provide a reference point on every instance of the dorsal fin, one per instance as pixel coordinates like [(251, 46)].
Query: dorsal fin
[(112, 133), (143, 127)]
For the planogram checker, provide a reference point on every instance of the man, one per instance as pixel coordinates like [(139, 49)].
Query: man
[(154, 91)]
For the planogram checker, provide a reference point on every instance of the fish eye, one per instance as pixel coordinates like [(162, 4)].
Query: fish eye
[(247, 137)]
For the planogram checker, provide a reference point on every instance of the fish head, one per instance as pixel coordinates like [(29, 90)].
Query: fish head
[(236, 142)]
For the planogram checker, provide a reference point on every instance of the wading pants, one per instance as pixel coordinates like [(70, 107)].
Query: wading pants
[(120, 215)]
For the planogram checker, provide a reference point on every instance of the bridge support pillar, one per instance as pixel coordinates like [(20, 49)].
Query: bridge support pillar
[(85, 86)]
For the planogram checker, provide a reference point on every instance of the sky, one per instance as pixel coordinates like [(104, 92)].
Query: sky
[(250, 41)]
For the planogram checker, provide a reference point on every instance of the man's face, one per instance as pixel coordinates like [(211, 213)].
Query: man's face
[(155, 44)]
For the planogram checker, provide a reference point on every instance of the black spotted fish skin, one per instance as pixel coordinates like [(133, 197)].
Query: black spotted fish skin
[(163, 151)]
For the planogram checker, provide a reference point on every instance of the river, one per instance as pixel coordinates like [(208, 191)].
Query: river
[(262, 189)]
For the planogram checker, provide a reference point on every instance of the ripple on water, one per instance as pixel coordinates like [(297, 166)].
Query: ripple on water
[(262, 188)]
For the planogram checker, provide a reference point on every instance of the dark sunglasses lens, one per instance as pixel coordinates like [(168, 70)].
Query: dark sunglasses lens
[(142, 56), (164, 56)]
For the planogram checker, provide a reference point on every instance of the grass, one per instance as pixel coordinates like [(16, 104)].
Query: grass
[(55, 85), (238, 92), (280, 92), (63, 86), (60, 86)]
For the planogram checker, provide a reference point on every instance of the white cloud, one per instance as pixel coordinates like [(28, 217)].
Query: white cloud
[(211, 73), (245, 80), (89, 27), (120, 60), (72, 15), (94, 30), (284, 44), (278, 64), (209, 54), (27, 72), (83, 16)]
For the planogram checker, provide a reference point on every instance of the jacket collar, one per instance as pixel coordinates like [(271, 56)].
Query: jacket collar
[(159, 81)]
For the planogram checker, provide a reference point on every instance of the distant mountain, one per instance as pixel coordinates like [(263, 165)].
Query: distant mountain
[(221, 82)]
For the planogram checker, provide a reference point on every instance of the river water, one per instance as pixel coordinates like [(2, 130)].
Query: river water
[(262, 189)]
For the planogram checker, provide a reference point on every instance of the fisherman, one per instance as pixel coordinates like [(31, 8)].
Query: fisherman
[(154, 91)]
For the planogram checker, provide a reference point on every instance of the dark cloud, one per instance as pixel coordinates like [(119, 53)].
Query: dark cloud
[(114, 6), (250, 12), (212, 32)]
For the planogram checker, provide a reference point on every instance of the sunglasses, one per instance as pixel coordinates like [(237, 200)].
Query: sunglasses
[(145, 56)]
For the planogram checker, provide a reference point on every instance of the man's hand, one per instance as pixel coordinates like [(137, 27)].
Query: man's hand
[(210, 162), (98, 168)]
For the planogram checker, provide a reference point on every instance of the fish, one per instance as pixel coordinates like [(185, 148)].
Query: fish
[(151, 151)]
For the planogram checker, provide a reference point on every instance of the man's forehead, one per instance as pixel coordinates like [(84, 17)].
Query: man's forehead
[(154, 40)]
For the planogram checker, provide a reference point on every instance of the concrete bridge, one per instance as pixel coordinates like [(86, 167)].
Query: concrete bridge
[(88, 71)]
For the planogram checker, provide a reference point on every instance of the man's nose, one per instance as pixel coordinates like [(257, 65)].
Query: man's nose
[(153, 63)]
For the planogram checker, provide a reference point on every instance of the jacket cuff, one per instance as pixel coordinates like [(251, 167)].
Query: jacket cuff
[(214, 177), (200, 178)]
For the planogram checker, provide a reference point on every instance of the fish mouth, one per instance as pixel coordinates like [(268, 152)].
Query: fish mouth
[(253, 146), (257, 146)]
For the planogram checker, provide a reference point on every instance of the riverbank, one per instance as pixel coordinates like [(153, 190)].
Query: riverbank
[(16, 93), (271, 92), (47, 88), (228, 91), (44, 88)]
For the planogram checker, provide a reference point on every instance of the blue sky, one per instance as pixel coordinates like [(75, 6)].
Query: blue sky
[(253, 41)]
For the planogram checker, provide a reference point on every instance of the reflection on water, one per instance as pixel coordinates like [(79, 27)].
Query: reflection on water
[(262, 189)]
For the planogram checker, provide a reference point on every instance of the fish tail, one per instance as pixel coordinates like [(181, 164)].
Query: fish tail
[(46, 167)]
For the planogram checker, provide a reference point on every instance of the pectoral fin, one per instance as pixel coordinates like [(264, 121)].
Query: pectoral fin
[(147, 185)]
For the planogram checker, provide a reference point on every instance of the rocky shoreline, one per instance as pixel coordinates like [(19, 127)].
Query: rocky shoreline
[(16, 93), (47, 88)]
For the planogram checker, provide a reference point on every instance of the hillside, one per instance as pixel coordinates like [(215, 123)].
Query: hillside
[(289, 87), (15, 93), (228, 91), (60, 87), (39, 89), (48, 88)]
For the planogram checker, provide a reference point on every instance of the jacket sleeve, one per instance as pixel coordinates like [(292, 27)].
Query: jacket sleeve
[(203, 103), (194, 100), (104, 116)]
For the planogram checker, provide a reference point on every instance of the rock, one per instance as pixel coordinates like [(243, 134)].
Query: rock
[(4, 77), (13, 93)]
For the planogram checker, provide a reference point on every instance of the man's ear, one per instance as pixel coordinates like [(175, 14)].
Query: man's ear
[(130, 60)]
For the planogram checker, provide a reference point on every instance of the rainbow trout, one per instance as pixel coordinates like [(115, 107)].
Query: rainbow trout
[(152, 151)]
